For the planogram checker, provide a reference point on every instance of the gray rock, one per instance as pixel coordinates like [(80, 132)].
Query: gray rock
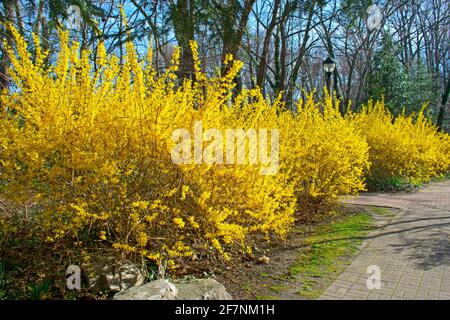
[(201, 289), (197, 289), (154, 290), (111, 274)]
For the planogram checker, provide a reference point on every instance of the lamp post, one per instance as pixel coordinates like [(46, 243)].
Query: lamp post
[(328, 66)]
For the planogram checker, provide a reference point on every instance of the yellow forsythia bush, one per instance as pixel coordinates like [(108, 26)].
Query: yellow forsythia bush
[(407, 147), (326, 154), (93, 148)]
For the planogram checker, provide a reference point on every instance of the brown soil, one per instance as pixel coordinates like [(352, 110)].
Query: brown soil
[(254, 279)]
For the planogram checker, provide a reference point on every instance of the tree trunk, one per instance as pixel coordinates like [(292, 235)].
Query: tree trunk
[(183, 22), (263, 62), (232, 38), (302, 53), (442, 109), (4, 64)]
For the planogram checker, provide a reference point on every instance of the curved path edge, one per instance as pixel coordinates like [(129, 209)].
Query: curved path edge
[(411, 253)]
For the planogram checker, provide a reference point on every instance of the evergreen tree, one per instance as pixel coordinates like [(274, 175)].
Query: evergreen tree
[(388, 77), (420, 89)]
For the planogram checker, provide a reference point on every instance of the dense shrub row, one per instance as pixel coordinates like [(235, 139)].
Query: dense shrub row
[(91, 150), (406, 147)]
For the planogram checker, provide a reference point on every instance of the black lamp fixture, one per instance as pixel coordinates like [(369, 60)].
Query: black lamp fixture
[(328, 66)]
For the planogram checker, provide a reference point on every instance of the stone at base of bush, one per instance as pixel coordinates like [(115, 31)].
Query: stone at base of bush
[(110, 274), (197, 289)]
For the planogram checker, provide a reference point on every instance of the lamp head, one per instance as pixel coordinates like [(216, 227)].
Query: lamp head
[(329, 65)]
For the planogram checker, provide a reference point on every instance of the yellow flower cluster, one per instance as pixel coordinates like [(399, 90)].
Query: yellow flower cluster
[(407, 147), (92, 147)]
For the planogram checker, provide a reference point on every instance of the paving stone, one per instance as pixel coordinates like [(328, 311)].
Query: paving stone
[(412, 249), (373, 296)]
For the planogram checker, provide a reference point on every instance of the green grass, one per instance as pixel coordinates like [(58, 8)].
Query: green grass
[(308, 289), (266, 298), (385, 212), (327, 250), (392, 184), (247, 287), (2, 281), (39, 290), (441, 177), (277, 288)]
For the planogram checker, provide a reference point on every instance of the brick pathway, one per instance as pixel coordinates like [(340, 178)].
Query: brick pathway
[(412, 250)]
